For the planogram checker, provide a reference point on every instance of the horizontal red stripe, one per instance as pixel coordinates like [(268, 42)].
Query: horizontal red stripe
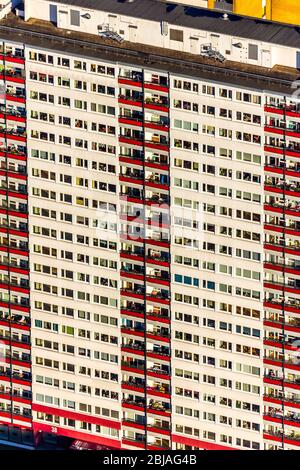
[(76, 435), (76, 416), (198, 443)]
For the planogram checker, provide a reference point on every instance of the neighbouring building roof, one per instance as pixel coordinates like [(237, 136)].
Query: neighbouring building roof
[(196, 18)]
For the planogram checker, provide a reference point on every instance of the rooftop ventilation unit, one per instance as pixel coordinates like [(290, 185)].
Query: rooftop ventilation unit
[(111, 35), (208, 51)]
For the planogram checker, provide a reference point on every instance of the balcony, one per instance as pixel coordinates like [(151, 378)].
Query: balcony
[(159, 84), (157, 313), (12, 72), (23, 265), (159, 162), (280, 361), (288, 305), (290, 285), (159, 143), (135, 423), (292, 149), (135, 310), (132, 119), (13, 151), (277, 225), (290, 126), (138, 366), (287, 400), (291, 109), (131, 99), (13, 112), (157, 180), (23, 376), (21, 208), (135, 384), (157, 102), (159, 372), (280, 320), (158, 199), (133, 78), (161, 124), (134, 254), (159, 278), (15, 394), (135, 271), (15, 95), (13, 188), (158, 256), (292, 208), (159, 389), (132, 176), (134, 403), (9, 52), (159, 427), (16, 412), (158, 333), (132, 195), (291, 189), (291, 168), (19, 134), (13, 247), (280, 247), (280, 342), (133, 348), (25, 340), (134, 327), (17, 320), (134, 442), (12, 168), (23, 303), (158, 406), (290, 419), (279, 266), (129, 155), (158, 293), (158, 445), (162, 353)]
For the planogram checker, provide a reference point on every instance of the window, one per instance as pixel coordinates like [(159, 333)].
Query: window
[(176, 35), (252, 52), (75, 17)]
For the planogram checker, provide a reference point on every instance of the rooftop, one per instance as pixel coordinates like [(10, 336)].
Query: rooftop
[(198, 18), (45, 35)]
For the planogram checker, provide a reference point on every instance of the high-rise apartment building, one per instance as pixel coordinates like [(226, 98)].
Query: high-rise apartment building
[(149, 265)]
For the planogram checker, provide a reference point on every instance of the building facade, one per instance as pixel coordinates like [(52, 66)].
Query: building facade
[(149, 229)]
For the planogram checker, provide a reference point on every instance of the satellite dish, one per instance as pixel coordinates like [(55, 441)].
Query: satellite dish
[(87, 16)]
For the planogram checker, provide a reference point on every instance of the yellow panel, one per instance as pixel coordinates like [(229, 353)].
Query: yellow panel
[(269, 9), (211, 4), (286, 11), (249, 8)]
